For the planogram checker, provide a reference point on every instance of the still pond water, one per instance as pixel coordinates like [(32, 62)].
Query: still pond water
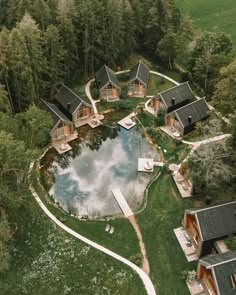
[(108, 158)]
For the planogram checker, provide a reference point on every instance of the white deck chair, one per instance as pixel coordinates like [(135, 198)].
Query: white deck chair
[(107, 227), (111, 230)]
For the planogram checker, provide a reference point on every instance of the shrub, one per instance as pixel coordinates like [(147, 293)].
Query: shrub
[(137, 259), (189, 275), (103, 101), (231, 243), (95, 93), (123, 105), (160, 119)]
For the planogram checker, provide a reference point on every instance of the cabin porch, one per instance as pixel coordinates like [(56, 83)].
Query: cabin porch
[(136, 89), (196, 288), (61, 145), (110, 93), (186, 244)]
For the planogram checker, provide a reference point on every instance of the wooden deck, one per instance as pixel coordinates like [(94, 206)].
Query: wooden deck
[(124, 206), (189, 250), (145, 165), (127, 122), (93, 121), (62, 145)]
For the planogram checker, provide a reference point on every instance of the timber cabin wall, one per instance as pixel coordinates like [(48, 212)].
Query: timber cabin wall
[(61, 130), (171, 121), (109, 92), (205, 276), (157, 104), (136, 88), (191, 227), (82, 112)]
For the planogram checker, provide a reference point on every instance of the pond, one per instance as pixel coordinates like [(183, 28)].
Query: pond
[(107, 158)]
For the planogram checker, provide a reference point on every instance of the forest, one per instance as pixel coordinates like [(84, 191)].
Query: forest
[(44, 43)]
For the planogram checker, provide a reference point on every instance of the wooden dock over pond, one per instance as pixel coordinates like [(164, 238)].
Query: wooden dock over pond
[(127, 122), (124, 206)]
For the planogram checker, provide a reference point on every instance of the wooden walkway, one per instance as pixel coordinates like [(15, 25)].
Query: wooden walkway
[(124, 206)]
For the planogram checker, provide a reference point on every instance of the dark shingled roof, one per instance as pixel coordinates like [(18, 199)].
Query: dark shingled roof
[(180, 93), (139, 71), (57, 115), (104, 76), (223, 265), (196, 110), (217, 221), (66, 96)]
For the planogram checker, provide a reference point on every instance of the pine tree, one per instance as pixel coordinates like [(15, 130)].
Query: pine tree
[(4, 77), (66, 14), (41, 13), (54, 52), (27, 64)]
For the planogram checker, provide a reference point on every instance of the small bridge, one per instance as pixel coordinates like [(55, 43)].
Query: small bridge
[(124, 206)]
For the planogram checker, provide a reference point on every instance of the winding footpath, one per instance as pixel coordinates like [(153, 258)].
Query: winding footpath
[(89, 96), (195, 145), (143, 276)]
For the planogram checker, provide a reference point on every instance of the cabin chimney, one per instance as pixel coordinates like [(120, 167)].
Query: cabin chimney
[(189, 119), (68, 106), (173, 100)]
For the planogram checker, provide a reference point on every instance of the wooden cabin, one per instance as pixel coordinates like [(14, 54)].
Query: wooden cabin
[(107, 84), (72, 105), (217, 273), (205, 226), (62, 126), (138, 80), (185, 118), (173, 98)]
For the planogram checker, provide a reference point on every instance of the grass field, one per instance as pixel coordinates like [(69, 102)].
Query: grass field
[(164, 213), (210, 14), (46, 260)]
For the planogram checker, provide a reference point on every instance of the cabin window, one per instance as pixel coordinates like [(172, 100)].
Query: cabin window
[(233, 280), (82, 112), (60, 125)]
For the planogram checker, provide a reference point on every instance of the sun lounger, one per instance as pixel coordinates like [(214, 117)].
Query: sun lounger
[(107, 227), (111, 230)]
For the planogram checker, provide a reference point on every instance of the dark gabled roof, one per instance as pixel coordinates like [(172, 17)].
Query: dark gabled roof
[(139, 71), (66, 96), (57, 115), (180, 94), (196, 110), (223, 266), (217, 221), (104, 76)]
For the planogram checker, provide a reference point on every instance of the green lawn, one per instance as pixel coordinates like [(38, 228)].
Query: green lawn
[(134, 101), (164, 213), (146, 119), (211, 13), (175, 150), (46, 260), (157, 84), (124, 240)]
